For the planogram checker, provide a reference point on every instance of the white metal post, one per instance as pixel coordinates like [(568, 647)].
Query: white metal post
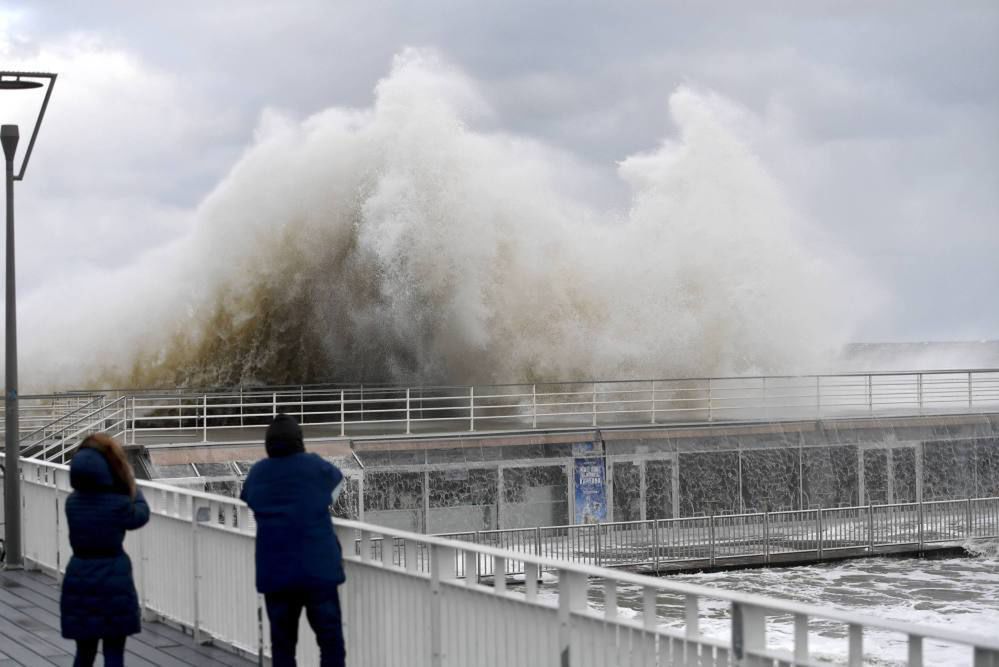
[(571, 598), (534, 406), (343, 421), (818, 532), (204, 422), (594, 404), (274, 404), (407, 412), (710, 414), (818, 397), (653, 421), (471, 408), (970, 390)]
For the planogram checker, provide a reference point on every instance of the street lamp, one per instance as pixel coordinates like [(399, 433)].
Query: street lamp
[(9, 135)]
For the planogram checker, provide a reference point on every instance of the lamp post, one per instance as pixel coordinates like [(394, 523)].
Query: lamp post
[(9, 136)]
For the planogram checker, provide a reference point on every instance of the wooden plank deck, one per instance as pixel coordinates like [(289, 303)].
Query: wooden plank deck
[(29, 632)]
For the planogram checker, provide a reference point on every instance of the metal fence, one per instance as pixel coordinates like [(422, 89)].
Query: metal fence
[(418, 603), (764, 537), (340, 410), (359, 410)]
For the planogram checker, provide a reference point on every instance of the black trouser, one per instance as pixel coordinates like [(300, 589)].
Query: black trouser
[(114, 652), (323, 612)]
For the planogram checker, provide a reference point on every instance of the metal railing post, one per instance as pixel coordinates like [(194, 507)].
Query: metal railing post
[(766, 538), (471, 408), (711, 540), (818, 532), (594, 404), (870, 526), (919, 393), (970, 393), (655, 542), (653, 421), (597, 542), (274, 404), (710, 415), (870, 395), (818, 397), (920, 511), (967, 514), (204, 418), (408, 431), (534, 406)]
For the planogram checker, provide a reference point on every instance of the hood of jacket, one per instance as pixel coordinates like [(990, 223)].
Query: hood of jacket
[(284, 437), (89, 471)]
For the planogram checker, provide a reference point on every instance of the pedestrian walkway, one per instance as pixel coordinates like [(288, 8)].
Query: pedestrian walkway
[(29, 632)]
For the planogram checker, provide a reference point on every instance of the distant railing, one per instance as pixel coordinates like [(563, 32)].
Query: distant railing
[(38, 411), (418, 603), (752, 538), (357, 411), (55, 441)]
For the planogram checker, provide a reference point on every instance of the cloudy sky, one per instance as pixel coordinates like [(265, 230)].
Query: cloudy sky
[(880, 119)]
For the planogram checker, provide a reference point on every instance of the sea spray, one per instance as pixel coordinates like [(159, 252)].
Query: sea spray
[(400, 243)]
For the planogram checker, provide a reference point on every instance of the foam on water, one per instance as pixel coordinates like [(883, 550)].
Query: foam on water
[(406, 242), (958, 593)]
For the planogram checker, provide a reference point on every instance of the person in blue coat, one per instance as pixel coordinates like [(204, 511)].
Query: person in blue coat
[(297, 553), (98, 600)]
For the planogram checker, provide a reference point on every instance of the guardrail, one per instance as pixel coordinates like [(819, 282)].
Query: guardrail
[(38, 411), (405, 410), (193, 566), (763, 537), (55, 441)]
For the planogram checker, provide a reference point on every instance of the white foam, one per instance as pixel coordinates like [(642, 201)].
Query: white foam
[(431, 250)]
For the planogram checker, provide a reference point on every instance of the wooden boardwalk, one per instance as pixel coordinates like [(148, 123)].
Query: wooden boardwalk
[(29, 632)]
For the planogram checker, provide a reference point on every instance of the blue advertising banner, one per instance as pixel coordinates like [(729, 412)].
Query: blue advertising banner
[(591, 490)]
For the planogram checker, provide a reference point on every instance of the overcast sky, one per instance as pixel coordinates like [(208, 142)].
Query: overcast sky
[(881, 119)]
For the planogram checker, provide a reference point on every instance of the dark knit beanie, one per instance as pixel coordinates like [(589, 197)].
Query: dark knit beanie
[(284, 436)]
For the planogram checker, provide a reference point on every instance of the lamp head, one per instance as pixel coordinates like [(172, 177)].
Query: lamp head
[(18, 84), (9, 136)]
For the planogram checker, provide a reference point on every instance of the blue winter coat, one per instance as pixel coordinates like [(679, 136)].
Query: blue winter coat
[(98, 594), (297, 550)]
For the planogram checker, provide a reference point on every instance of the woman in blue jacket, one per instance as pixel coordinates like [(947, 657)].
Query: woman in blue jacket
[(98, 600)]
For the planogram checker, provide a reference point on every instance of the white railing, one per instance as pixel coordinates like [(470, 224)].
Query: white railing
[(358, 411), (758, 538), (419, 603), (55, 441), (38, 411)]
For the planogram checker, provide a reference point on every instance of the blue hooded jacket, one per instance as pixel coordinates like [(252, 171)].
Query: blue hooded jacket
[(98, 594), (290, 494)]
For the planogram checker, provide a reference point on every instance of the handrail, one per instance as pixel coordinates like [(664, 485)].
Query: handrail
[(96, 399), (400, 410), (376, 386), (103, 412), (193, 566)]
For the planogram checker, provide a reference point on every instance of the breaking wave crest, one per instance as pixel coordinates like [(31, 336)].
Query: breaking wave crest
[(400, 243)]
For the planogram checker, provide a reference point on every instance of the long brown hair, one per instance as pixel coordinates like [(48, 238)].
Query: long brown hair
[(113, 452)]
